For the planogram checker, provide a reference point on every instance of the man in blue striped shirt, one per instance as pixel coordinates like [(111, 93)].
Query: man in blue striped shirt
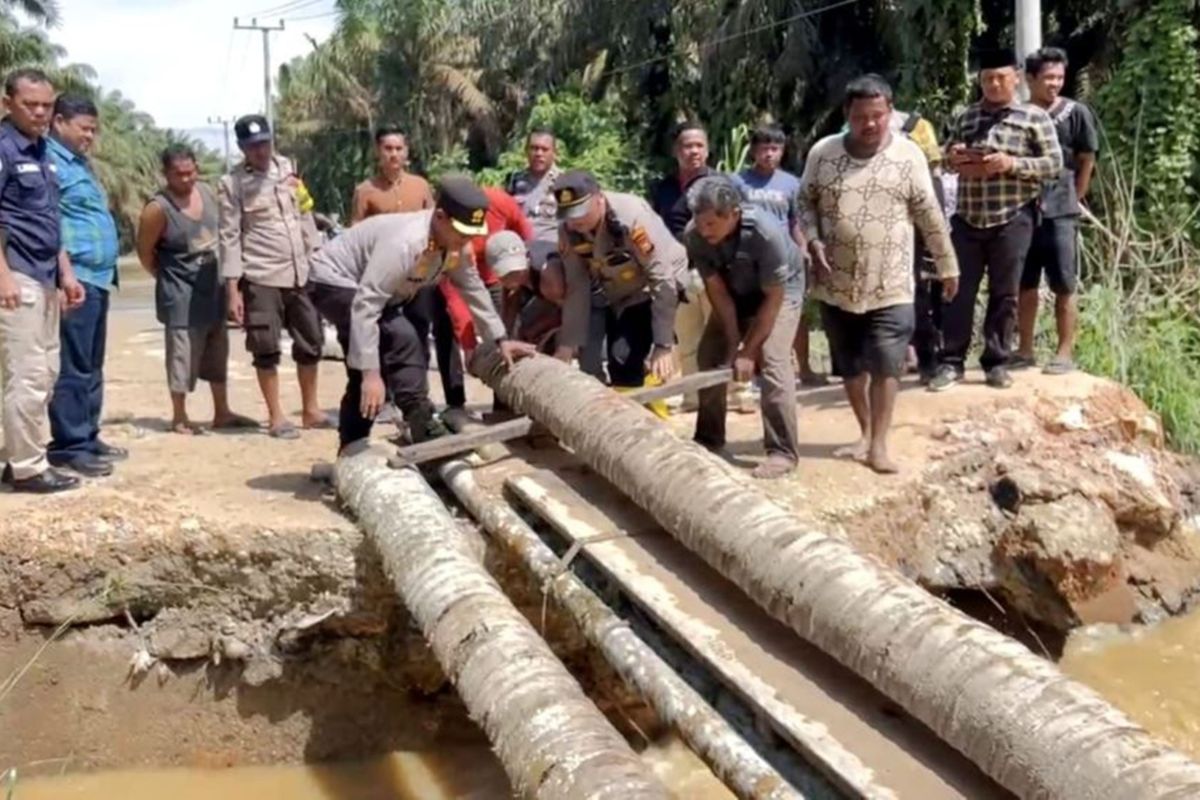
[(89, 237)]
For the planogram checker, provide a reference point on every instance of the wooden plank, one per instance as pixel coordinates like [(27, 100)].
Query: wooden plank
[(448, 446), (808, 699)]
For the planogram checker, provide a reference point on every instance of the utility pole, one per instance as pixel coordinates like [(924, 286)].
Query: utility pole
[(266, 34), (1029, 35), (223, 122)]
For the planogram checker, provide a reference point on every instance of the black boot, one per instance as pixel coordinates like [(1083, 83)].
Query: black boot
[(423, 423)]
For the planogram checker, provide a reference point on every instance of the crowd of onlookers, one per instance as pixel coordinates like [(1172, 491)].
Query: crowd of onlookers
[(885, 239)]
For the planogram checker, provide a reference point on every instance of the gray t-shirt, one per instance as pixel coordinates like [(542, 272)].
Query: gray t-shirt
[(777, 194), (759, 254), (1077, 133)]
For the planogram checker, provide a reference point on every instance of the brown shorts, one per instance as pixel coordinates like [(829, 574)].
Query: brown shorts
[(271, 310), (196, 354)]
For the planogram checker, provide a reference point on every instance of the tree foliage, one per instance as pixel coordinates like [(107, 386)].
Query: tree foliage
[(126, 158)]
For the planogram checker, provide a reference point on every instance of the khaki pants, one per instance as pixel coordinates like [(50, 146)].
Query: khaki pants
[(690, 320), (778, 376), (29, 349)]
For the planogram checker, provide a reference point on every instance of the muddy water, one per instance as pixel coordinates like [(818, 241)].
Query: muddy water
[(1152, 674), (467, 774), (464, 774)]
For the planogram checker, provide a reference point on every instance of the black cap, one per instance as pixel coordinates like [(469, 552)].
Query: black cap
[(572, 190), (997, 59), (465, 204), (252, 129)]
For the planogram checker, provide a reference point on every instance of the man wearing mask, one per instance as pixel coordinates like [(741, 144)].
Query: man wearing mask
[(89, 237), (33, 267), (264, 249), (1004, 153), (393, 188)]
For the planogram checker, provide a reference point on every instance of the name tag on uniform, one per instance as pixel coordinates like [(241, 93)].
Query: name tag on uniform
[(23, 169)]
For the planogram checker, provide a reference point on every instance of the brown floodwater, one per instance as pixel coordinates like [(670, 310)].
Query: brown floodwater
[(1152, 674), (460, 774)]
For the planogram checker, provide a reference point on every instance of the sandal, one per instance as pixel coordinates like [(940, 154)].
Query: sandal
[(774, 468), (1059, 365), (324, 424), (285, 431)]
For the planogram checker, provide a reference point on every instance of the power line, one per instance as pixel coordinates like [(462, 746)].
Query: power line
[(288, 7), (734, 36), (333, 13)]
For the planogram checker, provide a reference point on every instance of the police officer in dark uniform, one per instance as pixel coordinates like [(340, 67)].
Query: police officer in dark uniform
[(753, 274), (618, 240), (32, 270)]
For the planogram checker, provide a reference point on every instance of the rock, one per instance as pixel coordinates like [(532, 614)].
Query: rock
[(174, 637), (1072, 418), (1060, 562), (260, 671), (1138, 498), (1023, 483)]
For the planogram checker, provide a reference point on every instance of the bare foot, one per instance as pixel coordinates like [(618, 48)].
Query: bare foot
[(858, 451), (230, 420), (185, 427), (318, 421), (882, 463)]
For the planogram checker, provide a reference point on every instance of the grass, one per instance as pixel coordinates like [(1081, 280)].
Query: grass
[(1140, 310)]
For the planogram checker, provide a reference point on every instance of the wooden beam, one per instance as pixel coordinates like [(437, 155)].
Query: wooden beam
[(448, 446)]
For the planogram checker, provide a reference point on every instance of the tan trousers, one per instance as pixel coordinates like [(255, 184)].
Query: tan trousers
[(690, 320), (29, 347)]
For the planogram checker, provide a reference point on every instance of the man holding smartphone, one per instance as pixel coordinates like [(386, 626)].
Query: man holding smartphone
[(1004, 153)]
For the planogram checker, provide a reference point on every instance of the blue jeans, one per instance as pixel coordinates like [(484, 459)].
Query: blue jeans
[(79, 392)]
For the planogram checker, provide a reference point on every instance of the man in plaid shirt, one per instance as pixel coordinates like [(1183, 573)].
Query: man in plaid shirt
[(1004, 152)]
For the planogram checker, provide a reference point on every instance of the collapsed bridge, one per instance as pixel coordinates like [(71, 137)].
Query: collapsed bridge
[(792, 664)]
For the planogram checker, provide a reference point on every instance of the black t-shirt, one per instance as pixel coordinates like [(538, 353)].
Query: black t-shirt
[(759, 254), (1076, 126), (669, 201)]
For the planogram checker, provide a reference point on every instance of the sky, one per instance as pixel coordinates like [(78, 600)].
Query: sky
[(180, 60)]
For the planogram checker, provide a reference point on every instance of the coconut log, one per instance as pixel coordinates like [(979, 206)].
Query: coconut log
[(708, 735), (1033, 730), (552, 741)]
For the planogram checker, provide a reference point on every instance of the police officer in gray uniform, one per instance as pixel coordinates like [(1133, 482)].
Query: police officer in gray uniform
[(618, 240), (367, 281), (753, 274)]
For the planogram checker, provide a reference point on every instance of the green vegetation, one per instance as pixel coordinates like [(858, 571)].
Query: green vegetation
[(126, 156), (1141, 305)]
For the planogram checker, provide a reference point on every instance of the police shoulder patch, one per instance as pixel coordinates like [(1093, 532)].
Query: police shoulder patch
[(641, 240)]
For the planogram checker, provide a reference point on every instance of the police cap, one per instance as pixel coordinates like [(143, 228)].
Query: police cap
[(252, 129), (465, 204), (572, 191)]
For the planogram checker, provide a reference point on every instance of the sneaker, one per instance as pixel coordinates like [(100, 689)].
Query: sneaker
[(946, 377), (998, 378)]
